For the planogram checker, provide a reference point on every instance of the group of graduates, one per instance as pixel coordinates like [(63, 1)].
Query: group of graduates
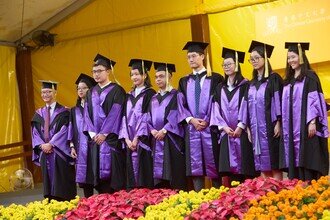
[(214, 126)]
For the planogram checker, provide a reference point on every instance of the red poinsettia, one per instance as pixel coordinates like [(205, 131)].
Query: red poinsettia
[(235, 202), (120, 205)]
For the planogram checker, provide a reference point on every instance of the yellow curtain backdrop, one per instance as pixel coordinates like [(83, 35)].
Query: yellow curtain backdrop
[(103, 16), (235, 27), (67, 59), (10, 116)]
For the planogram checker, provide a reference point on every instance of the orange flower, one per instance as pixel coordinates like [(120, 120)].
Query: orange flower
[(303, 201)]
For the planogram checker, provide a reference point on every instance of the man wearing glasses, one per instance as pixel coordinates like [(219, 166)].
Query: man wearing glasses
[(103, 111), (194, 101), (50, 147)]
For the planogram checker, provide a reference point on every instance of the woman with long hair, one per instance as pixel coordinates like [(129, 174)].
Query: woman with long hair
[(304, 146), (261, 111), (78, 141), (236, 154), (134, 130)]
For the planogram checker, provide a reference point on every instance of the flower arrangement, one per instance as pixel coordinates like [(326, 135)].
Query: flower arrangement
[(181, 204), (303, 201), (41, 210), (235, 203), (326, 215), (119, 205)]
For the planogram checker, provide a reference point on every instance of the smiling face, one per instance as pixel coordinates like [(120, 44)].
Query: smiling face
[(229, 66), (257, 61), (137, 78), (48, 95), (293, 60)]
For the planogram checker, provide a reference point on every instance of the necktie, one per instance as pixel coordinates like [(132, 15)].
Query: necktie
[(198, 90), (47, 121)]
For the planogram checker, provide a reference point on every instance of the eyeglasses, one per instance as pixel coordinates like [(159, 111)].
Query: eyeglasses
[(98, 71), (254, 59), (46, 92), (227, 65)]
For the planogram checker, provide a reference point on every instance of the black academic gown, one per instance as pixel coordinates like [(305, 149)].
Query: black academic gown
[(103, 113), (236, 154), (200, 146), (303, 157), (57, 168), (169, 159), (139, 164)]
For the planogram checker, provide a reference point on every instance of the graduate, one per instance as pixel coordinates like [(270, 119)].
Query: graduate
[(103, 110), (236, 158), (194, 105), (168, 143), (261, 111), (134, 129), (304, 145), (78, 140), (50, 146)]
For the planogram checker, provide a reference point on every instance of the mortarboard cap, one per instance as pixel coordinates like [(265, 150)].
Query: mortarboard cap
[(138, 63), (162, 67), (90, 82), (104, 61), (194, 46), (294, 45), (229, 53), (47, 84), (297, 47), (262, 46)]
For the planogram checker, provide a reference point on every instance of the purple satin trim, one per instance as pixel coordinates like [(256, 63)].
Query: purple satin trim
[(317, 109), (276, 106), (105, 161), (204, 103), (135, 163), (200, 145), (243, 113), (227, 115), (158, 159), (296, 102), (183, 112), (144, 146), (235, 154), (136, 120), (173, 125), (257, 119), (81, 148)]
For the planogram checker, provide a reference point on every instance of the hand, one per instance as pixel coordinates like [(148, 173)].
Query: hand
[(154, 133), (134, 143), (248, 131), (237, 133), (129, 143), (99, 138), (311, 129), (160, 135), (204, 124), (229, 131), (199, 124), (47, 148), (73, 152), (277, 129)]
